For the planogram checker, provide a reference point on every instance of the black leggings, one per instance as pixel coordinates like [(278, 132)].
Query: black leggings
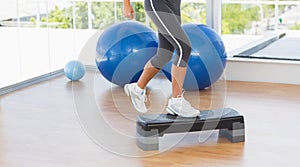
[(166, 16)]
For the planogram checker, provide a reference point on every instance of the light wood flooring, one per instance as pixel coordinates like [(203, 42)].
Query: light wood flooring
[(91, 123)]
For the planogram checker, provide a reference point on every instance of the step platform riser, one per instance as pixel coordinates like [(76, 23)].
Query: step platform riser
[(150, 127)]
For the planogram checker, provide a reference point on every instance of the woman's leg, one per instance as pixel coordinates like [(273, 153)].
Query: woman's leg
[(136, 91), (166, 16), (148, 73), (178, 75), (164, 54)]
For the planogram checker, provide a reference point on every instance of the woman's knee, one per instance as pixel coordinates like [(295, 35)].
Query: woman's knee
[(183, 52), (187, 49), (162, 57)]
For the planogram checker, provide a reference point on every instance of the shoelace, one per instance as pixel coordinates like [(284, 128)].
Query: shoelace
[(186, 104), (143, 96)]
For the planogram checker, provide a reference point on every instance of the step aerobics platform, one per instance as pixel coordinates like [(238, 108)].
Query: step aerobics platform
[(150, 127)]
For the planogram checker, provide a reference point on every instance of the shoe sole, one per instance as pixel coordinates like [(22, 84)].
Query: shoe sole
[(171, 112)]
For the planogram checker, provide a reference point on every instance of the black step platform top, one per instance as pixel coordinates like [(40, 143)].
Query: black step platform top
[(208, 120)]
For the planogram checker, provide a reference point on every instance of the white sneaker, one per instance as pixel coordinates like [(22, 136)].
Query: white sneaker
[(137, 99), (182, 107)]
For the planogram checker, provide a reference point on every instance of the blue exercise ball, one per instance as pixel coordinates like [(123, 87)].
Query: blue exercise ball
[(207, 60), (74, 70), (123, 50)]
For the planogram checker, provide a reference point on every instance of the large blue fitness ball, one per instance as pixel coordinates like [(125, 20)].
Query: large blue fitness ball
[(74, 70), (207, 60), (123, 50)]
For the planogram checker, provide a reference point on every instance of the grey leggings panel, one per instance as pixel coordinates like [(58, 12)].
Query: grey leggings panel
[(166, 16)]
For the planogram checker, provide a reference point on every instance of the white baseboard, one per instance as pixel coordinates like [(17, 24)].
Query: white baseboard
[(254, 70)]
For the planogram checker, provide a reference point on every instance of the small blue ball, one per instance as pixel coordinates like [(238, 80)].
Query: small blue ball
[(74, 70)]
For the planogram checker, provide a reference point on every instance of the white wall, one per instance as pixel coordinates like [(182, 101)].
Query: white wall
[(30, 52), (86, 47), (10, 62), (34, 55)]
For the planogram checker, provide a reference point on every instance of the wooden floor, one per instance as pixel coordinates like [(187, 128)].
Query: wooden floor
[(92, 123)]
